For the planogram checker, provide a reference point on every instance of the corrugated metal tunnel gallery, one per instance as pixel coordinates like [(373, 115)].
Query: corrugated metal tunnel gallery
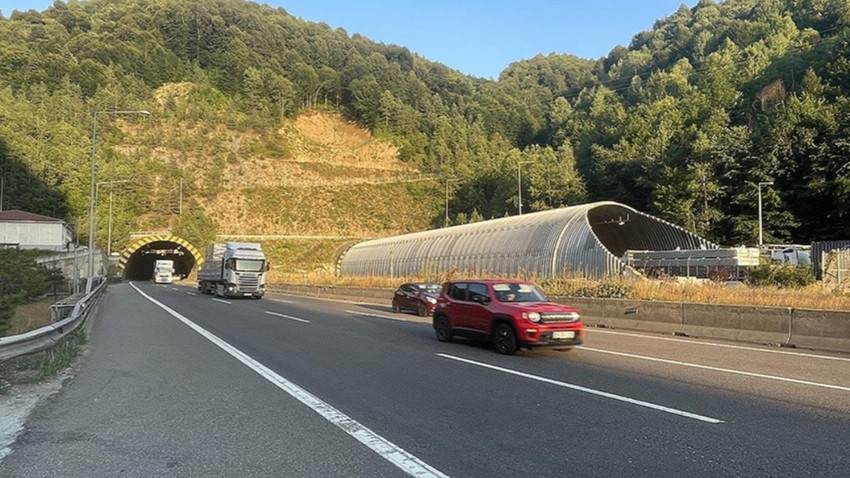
[(587, 240)]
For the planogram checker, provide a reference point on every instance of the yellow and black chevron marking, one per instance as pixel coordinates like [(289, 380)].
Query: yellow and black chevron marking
[(129, 250)]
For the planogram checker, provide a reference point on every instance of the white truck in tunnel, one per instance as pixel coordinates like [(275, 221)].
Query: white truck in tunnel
[(233, 269), (163, 272)]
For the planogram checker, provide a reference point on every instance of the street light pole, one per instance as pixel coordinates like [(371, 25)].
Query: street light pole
[(519, 183), (96, 197), (92, 191), (761, 238)]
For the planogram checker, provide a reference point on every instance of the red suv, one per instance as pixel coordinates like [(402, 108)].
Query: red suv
[(509, 313)]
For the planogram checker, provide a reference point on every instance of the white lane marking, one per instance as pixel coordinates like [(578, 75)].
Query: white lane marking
[(718, 369), (287, 317), (715, 344), (591, 391), (222, 301), (380, 445), (376, 315), (174, 288), (283, 301), (191, 293)]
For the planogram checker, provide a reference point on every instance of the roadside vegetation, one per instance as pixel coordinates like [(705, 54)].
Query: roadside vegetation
[(23, 307), (41, 366), (22, 283)]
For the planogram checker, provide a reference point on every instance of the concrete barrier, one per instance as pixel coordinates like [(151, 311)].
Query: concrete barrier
[(821, 329), (769, 325), (651, 316), (592, 310)]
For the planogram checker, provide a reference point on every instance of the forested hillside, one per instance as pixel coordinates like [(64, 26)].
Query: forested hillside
[(683, 123)]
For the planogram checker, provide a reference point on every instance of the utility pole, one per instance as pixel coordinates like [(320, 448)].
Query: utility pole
[(761, 238), (109, 229), (519, 183), (450, 180)]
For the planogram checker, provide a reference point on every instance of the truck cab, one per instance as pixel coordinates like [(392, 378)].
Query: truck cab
[(244, 273), (234, 269), (163, 272)]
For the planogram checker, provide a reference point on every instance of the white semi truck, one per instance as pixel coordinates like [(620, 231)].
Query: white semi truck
[(233, 269), (163, 271)]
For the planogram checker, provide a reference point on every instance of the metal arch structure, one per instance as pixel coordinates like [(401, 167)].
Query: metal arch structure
[(587, 240), (135, 246)]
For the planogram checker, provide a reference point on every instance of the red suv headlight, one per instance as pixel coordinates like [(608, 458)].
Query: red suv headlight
[(532, 316)]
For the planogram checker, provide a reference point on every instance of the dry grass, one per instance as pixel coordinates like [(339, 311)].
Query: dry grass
[(31, 316), (327, 138), (813, 297)]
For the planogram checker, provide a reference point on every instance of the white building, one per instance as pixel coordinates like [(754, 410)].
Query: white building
[(25, 230)]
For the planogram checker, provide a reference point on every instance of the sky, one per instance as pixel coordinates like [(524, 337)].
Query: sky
[(478, 37)]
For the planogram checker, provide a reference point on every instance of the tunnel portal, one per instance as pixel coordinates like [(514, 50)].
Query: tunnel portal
[(137, 260)]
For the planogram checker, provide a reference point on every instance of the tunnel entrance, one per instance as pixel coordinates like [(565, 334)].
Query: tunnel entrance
[(137, 260)]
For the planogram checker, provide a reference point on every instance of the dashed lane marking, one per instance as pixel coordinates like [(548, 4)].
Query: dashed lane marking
[(715, 344), (287, 317), (376, 315), (718, 369)]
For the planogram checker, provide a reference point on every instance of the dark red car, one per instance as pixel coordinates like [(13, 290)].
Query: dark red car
[(419, 297), (509, 313)]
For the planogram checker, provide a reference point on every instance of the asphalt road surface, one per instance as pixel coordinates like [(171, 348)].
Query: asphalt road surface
[(183, 385)]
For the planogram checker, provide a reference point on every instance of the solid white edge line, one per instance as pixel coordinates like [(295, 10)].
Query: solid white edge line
[(287, 317), (718, 369), (380, 445), (715, 344), (591, 391), (376, 315), (222, 301)]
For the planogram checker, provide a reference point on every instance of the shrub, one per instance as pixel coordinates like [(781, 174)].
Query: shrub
[(780, 275)]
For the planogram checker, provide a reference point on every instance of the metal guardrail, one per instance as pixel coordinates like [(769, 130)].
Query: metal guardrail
[(51, 335)]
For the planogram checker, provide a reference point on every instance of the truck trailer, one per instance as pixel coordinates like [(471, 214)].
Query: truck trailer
[(233, 269), (163, 271)]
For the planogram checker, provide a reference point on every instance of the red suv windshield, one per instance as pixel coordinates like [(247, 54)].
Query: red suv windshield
[(516, 292)]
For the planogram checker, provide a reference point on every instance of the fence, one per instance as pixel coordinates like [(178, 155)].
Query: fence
[(835, 267)]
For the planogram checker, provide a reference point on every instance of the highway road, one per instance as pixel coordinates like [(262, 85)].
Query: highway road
[(177, 384)]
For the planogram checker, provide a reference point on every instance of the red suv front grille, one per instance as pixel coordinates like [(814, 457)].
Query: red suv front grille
[(558, 317)]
